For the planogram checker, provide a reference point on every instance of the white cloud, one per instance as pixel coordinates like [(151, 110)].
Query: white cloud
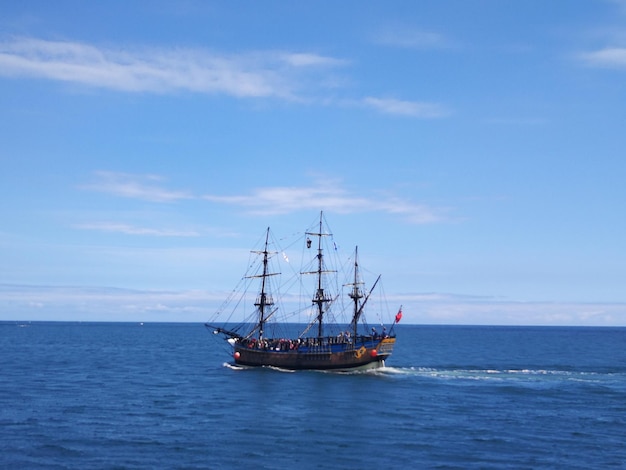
[(110, 304), (311, 60), (406, 108), (145, 187), (127, 229), (411, 38), (328, 195), (104, 304), (331, 197), (611, 57), (466, 310), (293, 76), (263, 74)]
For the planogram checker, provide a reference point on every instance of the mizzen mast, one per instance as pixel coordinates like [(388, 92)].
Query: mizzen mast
[(356, 294)]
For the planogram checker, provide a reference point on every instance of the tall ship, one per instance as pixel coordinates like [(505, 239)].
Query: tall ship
[(309, 318)]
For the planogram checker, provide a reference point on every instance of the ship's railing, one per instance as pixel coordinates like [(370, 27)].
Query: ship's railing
[(313, 344)]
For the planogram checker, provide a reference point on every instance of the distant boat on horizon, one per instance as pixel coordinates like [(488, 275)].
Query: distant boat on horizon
[(342, 339)]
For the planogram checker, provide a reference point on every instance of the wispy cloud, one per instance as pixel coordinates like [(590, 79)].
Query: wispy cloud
[(272, 200), (294, 76), (102, 303), (127, 229), (281, 200), (406, 108), (461, 309), (610, 57), (259, 74), (310, 60), (411, 38), (111, 304), (145, 187)]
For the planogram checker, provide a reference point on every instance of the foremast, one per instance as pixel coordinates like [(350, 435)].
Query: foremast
[(320, 299), (264, 300)]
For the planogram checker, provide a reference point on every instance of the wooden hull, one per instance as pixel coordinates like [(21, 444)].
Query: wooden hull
[(345, 357)]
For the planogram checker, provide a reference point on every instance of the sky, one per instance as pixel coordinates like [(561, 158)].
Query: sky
[(473, 150)]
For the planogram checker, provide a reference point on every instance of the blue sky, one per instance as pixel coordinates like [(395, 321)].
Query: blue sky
[(474, 150)]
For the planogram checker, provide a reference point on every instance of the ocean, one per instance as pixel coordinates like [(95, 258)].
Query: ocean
[(133, 396)]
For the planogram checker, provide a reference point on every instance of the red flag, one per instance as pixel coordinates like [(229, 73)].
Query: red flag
[(399, 315)]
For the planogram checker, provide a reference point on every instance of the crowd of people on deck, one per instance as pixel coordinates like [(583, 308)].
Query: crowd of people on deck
[(285, 345)]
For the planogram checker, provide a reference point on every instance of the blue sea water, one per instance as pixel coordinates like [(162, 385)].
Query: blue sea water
[(131, 396)]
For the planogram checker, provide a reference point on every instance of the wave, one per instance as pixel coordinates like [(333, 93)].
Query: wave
[(238, 367), (510, 375), (532, 377), (231, 366)]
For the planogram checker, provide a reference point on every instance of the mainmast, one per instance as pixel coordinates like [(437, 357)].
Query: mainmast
[(264, 300), (320, 299)]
